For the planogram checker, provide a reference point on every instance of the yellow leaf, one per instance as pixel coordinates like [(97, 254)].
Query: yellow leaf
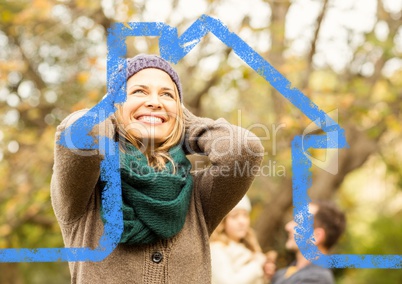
[(93, 95), (78, 106), (83, 77), (381, 92), (4, 230)]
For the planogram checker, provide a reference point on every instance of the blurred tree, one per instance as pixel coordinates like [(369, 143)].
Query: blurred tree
[(51, 58), (52, 62), (368, 102)]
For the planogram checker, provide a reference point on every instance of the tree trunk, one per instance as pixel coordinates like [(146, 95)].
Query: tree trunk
[(9, 273)]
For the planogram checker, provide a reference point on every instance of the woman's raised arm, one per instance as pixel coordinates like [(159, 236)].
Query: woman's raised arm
[(75, 171), (235, 155)]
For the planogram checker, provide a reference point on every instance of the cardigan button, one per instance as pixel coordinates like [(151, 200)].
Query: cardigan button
[(157, 257)]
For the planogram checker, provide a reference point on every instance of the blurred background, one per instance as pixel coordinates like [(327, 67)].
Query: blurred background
[(346, 56)]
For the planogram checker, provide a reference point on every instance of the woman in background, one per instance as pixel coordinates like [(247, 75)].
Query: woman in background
[(235, 252)]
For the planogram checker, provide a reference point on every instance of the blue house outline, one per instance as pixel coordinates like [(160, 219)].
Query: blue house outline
[(173, 48)]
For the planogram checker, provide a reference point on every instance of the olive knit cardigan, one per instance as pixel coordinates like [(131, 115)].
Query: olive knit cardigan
[(234, 155)]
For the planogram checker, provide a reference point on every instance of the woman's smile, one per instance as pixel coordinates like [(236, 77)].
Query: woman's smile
[(151, 119)]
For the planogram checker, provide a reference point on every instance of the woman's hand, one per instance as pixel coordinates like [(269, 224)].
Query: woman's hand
[(270, 264), (189, 117)]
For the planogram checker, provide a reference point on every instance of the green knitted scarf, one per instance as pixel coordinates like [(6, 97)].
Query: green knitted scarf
[(155, 203)]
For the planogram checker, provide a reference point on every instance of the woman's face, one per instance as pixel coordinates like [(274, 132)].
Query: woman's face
[(151, 108), (237, 224)]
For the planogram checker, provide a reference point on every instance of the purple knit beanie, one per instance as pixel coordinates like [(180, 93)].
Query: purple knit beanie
[(143, 61)]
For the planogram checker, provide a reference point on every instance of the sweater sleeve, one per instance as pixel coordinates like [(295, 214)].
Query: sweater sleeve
[(75, 171), (235, 155)]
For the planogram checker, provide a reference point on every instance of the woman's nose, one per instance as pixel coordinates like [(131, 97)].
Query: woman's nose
[(153, 102), (244, 220)]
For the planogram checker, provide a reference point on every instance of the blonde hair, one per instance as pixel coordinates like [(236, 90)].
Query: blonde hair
[(157, 157), (250, 240)]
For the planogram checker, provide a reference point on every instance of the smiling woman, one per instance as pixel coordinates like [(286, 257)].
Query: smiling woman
[(151, 118), (168, 211)]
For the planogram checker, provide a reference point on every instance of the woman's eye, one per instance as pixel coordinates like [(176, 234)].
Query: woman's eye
[(138, 92), (168, 95)]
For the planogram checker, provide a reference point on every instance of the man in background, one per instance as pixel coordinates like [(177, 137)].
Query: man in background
[(329, 224)]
